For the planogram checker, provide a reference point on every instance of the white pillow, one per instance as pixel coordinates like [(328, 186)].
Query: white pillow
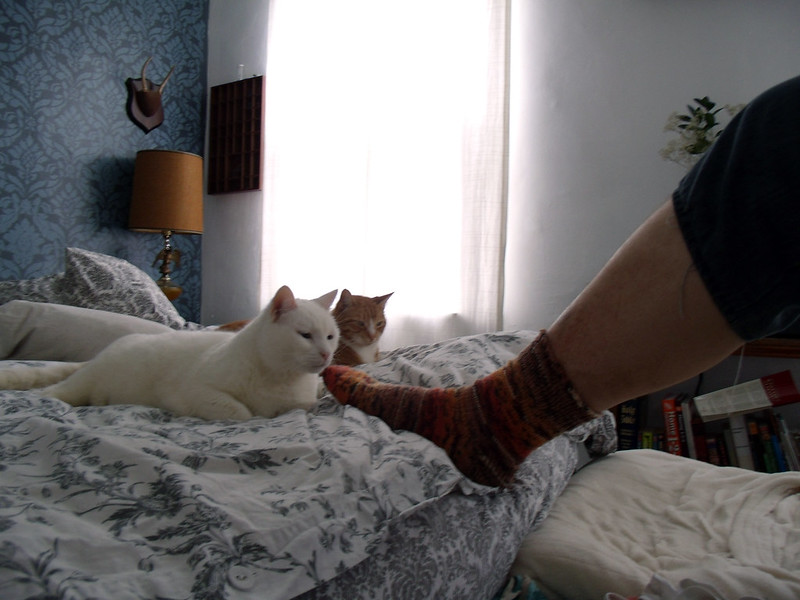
[(41, 331)]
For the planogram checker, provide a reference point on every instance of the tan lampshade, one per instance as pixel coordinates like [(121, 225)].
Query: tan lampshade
[(167, 192)]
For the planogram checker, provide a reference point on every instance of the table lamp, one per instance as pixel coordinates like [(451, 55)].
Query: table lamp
[(167, 199)]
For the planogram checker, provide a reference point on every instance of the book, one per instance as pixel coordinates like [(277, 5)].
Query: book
[(771, 454), (757, 449), (713, 450), (689, 438), (696, 438), (683, 435), (630, 420), (648, 439), (773, 428), (769, 391), (722, 448), (670, 407), (780, 456), (788, 444), (741, 442), (730, 448)]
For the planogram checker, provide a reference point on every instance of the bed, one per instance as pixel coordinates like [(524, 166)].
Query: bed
[(134, 502)]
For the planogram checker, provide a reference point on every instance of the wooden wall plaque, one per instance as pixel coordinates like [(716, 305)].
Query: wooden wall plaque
[(234, 146)]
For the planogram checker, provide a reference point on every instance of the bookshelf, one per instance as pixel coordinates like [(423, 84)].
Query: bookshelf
[(772, 348), (753, 425)]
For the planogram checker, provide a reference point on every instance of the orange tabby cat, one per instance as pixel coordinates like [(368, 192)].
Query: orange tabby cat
[(361, 322)]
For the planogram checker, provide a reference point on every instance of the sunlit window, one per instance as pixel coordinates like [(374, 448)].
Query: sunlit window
[(369, 105)]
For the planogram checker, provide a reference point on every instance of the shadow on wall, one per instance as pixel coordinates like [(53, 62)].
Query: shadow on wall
[(111, 179)]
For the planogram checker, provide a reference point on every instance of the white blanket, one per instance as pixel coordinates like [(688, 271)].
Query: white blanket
[(640, 513)]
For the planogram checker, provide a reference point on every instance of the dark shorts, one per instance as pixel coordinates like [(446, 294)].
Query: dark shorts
[(739, 211)]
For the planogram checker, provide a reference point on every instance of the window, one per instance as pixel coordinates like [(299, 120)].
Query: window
[(385, 158)]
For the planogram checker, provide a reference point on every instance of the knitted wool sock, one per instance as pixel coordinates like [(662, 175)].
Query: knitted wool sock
[(487, 428)]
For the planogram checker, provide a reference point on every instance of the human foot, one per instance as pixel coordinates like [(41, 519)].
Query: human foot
[(487, 428)]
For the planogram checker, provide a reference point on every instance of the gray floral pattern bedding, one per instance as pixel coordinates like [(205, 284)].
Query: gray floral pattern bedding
[(133, 502)]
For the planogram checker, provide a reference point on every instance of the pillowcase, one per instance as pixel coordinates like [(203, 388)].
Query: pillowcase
[(42, 331), (102, 282), (43, 289)]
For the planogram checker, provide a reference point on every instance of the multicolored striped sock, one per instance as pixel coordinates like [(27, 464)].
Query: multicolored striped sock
[(487, 428)]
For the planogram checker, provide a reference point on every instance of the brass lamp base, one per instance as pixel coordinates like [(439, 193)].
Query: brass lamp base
[(167, 255), (171, 289)]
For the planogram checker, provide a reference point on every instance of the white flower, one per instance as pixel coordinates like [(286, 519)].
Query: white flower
[(697, 130), (672, 122)]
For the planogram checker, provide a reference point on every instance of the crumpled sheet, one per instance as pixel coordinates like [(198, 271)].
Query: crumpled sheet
[(640, 513)]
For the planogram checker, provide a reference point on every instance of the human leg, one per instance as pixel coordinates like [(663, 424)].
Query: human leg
[(669, 304), (718, 265), (616, 341), (646, 321)]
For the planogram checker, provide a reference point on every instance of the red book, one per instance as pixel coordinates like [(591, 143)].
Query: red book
[(670, 407)]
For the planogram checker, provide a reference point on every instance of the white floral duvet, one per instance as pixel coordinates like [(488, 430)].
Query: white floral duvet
[(133, 502)]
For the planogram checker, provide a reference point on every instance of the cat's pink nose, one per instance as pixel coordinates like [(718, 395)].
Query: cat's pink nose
[(325, 356)]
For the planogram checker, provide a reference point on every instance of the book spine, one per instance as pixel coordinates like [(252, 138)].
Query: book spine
[(630, 420), (775, 437), (741, 442), (696, 437), (780, 456), (756, 447), (771, 462), (722, 448), (672, 434), (691, 440), (730, 447), (647, 439), (788, 443), (713, 451)]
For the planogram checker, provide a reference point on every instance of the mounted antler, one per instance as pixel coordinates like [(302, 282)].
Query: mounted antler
[(144, 99), (149, 100), (144, 68), (144, 79), (163, 83)]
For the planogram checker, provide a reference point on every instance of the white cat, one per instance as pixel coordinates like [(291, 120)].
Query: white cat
[(269, 367)]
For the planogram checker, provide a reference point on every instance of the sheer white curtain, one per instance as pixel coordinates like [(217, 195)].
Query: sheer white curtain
[(386, 158)]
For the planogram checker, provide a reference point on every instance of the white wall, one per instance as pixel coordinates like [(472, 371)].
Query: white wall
[(237, 33), (593, 82)]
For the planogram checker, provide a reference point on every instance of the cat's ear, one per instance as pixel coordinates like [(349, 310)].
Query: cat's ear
[(381, 300), (326, 300), (344, 300), (282, 302)]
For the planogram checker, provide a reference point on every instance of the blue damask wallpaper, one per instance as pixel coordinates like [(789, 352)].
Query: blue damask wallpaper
[(67, 147)]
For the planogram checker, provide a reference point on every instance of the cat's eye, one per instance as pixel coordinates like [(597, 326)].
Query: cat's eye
[(330, 336), (305, 335)]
